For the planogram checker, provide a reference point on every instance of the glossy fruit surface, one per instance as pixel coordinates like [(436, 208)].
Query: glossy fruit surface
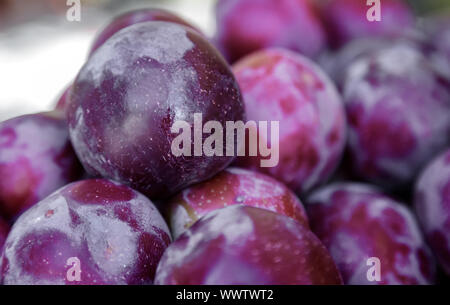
[(357, 223), (132, 91), (113, 234), (247, 245)]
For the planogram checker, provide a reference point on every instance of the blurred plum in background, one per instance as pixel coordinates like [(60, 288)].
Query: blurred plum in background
[(356, 222), (245, 26), (36, 158)]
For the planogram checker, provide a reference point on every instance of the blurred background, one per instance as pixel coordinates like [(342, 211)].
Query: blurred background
[(41, 51)]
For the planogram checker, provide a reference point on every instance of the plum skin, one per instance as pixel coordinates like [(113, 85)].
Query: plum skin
[(116, 233), (37, 157), (4, 229), (130, 92), (133, 17), (398, 109), (244, 245), (432, 205), (246, 26), (279, 85), (229, 187), (356, 222)]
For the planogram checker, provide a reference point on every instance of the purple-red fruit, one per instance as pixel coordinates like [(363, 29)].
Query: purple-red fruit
[(246, 245), (36, 158), (432, 204), (131, 92), (279, 85), (245, 26), (137, 16), (398, 111), (346, 20), (372, 238), (107, 231), (229, 187), (4, 229)]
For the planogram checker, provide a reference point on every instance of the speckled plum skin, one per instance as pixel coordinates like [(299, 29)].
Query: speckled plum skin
[(398, 111), (36, 158), (229, 187), (346, 20), (243, 245), (4, 229), (116, 233), (432, 205), (134, 17), (133, 89), (245, 26), (357, 222), (279, 85)]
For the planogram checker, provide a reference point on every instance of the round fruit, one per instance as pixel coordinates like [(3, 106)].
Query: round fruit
[(245, 26), (89, 232), (365, 230), (232, 186), (130, 94), (432, 204), (246, 245), (36, 158), (285, 87)]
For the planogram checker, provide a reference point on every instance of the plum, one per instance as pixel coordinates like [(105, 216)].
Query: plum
[(131, 93), (36, 158), (279, 85), (438, 30), (63, 100), (357, 223), (134, 17), (398, 110), (245, 26), (346, 20), (229, 187), (113, 234), (246, 245), (432, 205), (4, 229)]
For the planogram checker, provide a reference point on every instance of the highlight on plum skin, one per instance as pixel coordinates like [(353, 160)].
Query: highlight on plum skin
[(132, 90), (230, 187), (279, 85), (36, 158), (116, 234), (432, 205), (246, 26), (398, 108), (137, 16), (357, 222), (246, 245)]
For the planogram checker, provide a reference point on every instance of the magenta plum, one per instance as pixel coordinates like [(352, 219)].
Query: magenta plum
[(116, 235), (356, 223), (130, 93), (245, 26), (279, 85), (346, 20), (36, 158), (229, 187), (432, 204), (246, 245), (398, 110), (137, 16)]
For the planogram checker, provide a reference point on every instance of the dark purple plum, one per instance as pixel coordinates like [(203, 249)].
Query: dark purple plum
[(4, 229), (357, 222), (243, 245), (432, 204), (36, 158), (137, 16), (245, 26), (346, 20), (398, 110), (132, 90), (113, 233)]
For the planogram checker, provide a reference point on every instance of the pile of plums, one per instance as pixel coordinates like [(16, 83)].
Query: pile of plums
[(359, 193)]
